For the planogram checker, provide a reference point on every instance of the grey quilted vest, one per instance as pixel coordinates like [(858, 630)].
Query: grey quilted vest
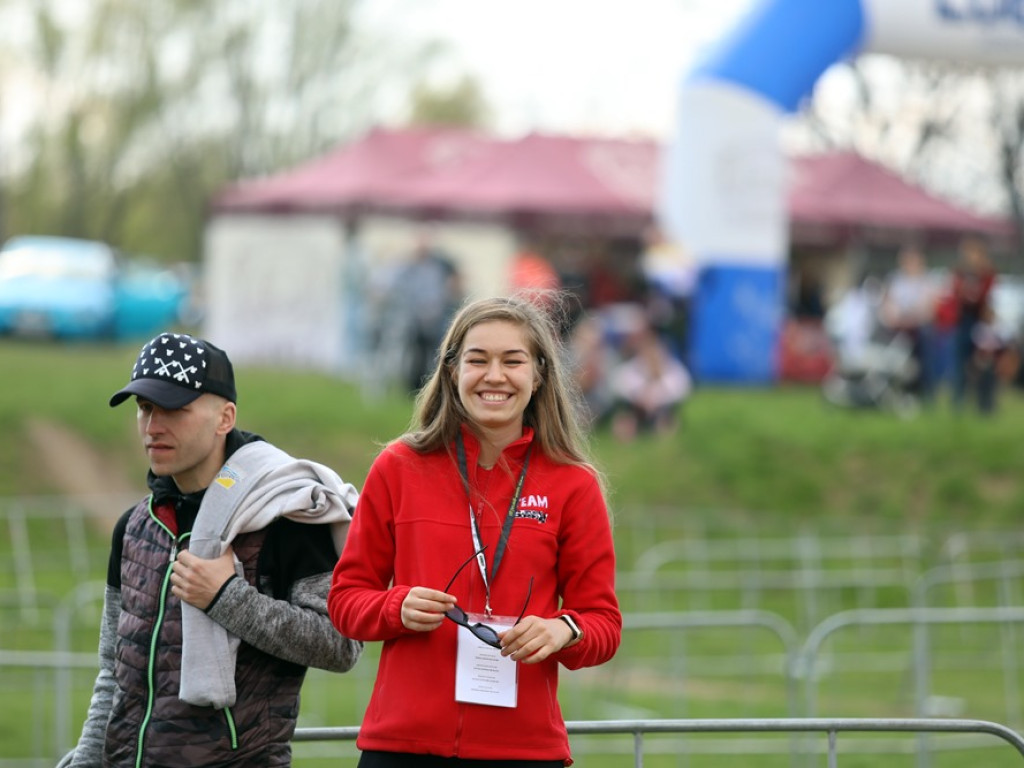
[(149, 726)]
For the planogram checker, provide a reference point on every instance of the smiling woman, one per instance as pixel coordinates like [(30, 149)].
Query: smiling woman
[(493, 487)]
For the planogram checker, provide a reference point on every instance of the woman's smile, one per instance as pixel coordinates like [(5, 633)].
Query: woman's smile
[(496, 378)]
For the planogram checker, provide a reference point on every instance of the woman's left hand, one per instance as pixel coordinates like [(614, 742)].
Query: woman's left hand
[(533, 639)]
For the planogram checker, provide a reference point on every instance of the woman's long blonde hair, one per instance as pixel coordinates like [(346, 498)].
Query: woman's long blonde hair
[(554, 410)]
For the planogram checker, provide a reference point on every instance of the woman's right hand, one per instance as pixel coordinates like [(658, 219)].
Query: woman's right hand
[(423, 609)]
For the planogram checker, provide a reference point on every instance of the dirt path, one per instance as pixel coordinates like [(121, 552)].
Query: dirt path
[(83, 473)]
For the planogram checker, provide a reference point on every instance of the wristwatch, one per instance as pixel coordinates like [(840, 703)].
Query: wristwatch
[(577, 633)]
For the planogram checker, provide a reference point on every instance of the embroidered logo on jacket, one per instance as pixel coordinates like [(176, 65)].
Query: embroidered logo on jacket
[(227, 477), (532, 508)]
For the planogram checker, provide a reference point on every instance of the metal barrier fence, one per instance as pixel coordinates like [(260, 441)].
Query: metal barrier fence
[(962, 576), (704, 573), (806, 548), (772, 623), (809, 587), (798, 665), (831, 727), (823, 570), (920, 618), (811, 565)]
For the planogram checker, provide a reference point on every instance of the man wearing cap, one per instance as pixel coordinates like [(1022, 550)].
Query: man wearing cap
[(217, 583)]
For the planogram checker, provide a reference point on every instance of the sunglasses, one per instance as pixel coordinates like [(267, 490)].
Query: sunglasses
[(482, 632)]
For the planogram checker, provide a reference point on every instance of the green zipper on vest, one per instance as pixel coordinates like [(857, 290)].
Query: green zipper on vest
[(151, 663), (231, 727)]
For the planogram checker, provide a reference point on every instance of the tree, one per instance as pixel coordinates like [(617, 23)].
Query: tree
[(956, 129), (147, 108), (462, 103)]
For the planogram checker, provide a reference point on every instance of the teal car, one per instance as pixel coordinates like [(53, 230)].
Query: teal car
[(67, 288)]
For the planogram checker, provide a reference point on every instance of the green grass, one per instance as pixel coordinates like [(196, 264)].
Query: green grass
[(747, 468), (757, 460)]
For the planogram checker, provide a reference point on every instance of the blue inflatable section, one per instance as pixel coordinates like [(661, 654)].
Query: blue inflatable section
[(777, 53), (783, 46), (736, 320)]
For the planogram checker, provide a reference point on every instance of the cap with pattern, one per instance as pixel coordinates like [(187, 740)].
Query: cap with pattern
[(173, 369)]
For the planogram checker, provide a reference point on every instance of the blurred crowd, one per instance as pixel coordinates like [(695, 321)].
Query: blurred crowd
[(918, 332), (897, 341), (624, 322)]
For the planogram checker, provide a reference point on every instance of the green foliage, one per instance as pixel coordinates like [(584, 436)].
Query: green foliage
[(781, 457), (146, 110), (757, 460), (462, 103)]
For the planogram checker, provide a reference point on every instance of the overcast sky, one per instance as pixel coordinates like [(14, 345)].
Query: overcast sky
[(574, 66), (600, 66)]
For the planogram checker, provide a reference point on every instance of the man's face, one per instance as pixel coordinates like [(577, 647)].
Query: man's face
[(186, 444)]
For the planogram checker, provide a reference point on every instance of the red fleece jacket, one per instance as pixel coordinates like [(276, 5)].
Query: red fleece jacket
[(411, 528)]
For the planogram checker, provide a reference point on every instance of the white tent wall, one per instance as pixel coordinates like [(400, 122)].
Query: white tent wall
[(480, 250), (271, 289), (289, 290)]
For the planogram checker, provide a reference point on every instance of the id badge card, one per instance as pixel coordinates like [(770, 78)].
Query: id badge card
[(482, 674)]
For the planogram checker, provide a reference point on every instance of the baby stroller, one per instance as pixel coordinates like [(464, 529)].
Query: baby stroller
[(876, 373)]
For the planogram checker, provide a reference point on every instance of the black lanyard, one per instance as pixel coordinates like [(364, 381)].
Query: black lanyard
[(506, 528)]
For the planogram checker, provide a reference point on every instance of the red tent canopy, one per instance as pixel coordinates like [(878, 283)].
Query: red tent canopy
[(444, 170), (542, 174), (370, 172), (843, 189)]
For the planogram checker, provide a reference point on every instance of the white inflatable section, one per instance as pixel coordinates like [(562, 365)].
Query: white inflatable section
[(975, 31), (724, 190), (729, 199)]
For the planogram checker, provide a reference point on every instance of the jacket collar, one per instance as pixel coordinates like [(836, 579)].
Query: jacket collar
[(513, 453)]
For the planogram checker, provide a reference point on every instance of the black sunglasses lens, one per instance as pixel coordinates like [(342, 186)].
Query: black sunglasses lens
[(457, 615), (480, 631), (487, 634)]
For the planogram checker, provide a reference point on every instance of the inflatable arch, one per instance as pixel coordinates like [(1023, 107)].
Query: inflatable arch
[(723, 194)]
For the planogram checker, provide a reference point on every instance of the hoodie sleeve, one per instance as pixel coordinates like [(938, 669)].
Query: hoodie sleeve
[(89, 752), (586, 577), (362, 603), (296, 630), (287, 616)]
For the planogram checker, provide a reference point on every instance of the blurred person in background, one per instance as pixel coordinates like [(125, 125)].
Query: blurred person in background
[(852, 322), (973, 280), (592, 360), (989, 347), (670, 275), (481, 555), (426, 291), (532, 274), (216, 597), (648, 387), (908, 307)]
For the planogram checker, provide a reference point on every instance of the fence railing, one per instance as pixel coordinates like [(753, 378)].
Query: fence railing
[(799, 661), (806, 578), (919, 618), (765, 620), (830, 727)]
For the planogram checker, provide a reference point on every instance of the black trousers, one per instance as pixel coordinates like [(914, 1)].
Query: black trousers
[(372, 759)]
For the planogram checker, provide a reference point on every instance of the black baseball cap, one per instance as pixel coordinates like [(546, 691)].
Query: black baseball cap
[(174, 369)]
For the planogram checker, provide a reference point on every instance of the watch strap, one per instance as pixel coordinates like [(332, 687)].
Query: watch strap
[(577, 633)]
